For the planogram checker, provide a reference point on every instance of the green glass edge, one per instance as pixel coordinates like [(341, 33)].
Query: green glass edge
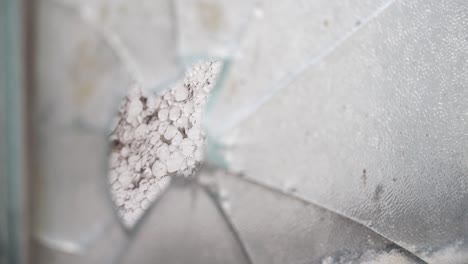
[(12, 108)]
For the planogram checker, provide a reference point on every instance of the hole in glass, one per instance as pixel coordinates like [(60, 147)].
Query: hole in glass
[(156, 137)]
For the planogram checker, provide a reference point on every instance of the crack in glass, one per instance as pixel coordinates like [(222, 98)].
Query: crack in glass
[(340, 127)]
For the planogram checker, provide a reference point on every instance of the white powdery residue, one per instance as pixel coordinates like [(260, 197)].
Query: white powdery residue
[(156, 137), (454, 253), (393, 257), (371, 257)]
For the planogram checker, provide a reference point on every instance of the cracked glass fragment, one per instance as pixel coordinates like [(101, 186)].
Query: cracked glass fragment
[(277, 227), (141, 32), (376, 129), (78, 78), (82, 71), (281, 40), (184, 226)]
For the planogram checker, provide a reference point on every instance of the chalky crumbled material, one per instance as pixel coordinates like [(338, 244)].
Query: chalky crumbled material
[(156, 137)]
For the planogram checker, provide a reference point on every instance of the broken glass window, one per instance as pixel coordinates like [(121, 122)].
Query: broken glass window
[(336, 132)]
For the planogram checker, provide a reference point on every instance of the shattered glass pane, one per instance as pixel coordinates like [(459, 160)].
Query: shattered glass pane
[(341, 124)]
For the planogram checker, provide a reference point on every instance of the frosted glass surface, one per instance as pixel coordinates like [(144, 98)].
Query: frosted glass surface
[(87, 54), (375, 129), (211, 28), (278, 227), (70, 129), (281, 40), (141, 32)]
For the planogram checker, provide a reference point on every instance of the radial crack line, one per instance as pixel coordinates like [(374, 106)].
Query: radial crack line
[(214, 197), (307, 201), (250, 109)]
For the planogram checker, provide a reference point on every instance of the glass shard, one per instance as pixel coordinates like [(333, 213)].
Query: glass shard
[(72, 180), (375, 130), (142, 33), (281, 41), (78, 81), (279, 228), (184, 226), (87, 54)]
